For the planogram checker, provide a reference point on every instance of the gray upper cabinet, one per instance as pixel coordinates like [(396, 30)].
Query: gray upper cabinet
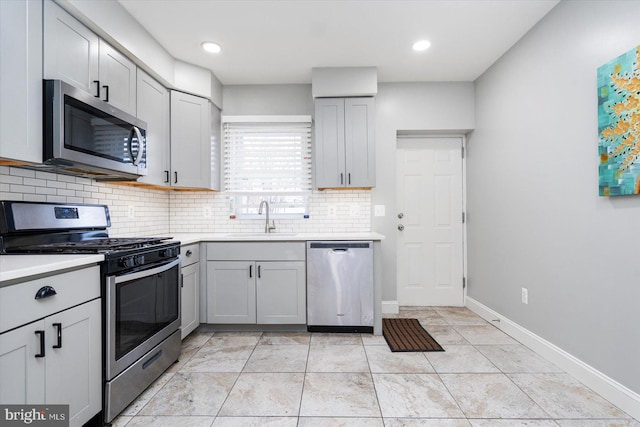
[(117, 76), (21, 81), (75, 54), (153, 108), (344, 143), (193, 152)]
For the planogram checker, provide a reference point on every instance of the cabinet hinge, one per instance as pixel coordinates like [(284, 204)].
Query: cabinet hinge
[(464, 283), (464, 217), (462, 152)]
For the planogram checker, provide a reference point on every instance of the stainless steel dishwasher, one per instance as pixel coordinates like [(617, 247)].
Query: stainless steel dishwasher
[(340, 286)]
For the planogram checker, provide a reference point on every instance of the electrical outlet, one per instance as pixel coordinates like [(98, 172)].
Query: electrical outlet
[(378, 210), (525, 296), (354, 211), (206, 211), (131, 211), (332, 211)]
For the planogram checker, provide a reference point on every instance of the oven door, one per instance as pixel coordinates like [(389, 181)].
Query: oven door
[(142, 309)]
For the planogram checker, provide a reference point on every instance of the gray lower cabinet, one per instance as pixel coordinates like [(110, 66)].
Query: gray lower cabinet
[(281, 292), (270, 290), (51, 348), (190, 291), (231, 292)]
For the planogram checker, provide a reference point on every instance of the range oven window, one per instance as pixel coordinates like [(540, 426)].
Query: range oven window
[(144, 306)]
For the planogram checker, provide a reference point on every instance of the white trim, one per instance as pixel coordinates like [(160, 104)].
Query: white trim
[(390, 307), (266, 119), (613, 391)]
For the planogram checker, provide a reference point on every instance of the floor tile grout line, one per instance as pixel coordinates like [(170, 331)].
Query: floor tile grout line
[(237, 378), (373, 383)]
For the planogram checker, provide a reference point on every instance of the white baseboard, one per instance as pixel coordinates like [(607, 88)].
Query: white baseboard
[(614, 392), (390, 307)]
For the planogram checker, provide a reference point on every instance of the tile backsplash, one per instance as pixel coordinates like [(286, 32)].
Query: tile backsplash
[(137, 211)]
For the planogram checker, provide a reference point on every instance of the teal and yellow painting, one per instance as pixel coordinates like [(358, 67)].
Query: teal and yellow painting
[(619, 125)]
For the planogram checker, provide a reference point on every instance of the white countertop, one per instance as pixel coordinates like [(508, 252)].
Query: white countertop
[(23, 266), (188, 238), (14, 267)]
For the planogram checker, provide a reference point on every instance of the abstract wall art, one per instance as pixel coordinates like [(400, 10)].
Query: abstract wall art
[(619, 125)]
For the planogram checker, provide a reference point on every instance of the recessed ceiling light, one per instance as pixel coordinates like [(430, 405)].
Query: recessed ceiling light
[(421, 45), (211, 47)]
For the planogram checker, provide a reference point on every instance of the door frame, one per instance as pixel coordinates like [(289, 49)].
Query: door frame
[(427, 134)]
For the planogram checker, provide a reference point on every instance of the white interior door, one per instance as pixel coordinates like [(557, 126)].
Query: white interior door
[(430, 227)]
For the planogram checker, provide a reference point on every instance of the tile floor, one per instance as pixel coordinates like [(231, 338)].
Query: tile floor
[(484, 378)]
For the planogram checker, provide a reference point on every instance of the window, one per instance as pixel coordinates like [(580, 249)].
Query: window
[(268, 158)]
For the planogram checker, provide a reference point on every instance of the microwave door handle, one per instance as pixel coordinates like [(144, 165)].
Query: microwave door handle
[(141, 145)]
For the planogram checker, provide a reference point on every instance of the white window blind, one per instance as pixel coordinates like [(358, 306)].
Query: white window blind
[(268, 158)]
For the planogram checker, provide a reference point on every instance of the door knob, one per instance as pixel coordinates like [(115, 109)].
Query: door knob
[(400, 215), (400, 227)]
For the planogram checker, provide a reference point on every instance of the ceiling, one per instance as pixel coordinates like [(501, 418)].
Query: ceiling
[(280, 41)]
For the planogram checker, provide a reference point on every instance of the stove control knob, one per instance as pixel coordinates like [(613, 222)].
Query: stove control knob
[(127, 262), (169, 253), (139, 259)]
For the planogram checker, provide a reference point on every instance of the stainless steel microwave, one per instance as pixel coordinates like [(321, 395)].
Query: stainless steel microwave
[(84, 135)]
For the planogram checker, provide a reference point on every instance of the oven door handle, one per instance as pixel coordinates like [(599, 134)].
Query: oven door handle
[(146, 272)]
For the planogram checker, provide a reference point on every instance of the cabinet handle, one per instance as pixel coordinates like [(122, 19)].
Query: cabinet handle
[(181, 280), (106, 97), (45, 292), (188, 253), (341, 178), (250, 270), (58, 326), (349, 178), (166, 179), (259, 272), (175, 177), (97, 82), (41, 333)]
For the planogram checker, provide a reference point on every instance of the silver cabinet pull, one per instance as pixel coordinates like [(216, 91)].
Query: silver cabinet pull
[(400, 227), (400, 215)]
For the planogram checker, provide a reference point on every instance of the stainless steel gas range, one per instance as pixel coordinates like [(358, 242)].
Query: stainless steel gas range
[(141, 280)]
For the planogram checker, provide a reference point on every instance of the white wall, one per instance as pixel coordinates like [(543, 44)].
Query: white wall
[(535, 219), (423, 108)]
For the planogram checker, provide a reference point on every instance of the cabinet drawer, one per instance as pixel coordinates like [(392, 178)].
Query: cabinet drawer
[(258, 251), (18, 305), (189, 254)]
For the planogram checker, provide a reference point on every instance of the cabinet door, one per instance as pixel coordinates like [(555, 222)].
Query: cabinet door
[(153, 108), (74, 370), (190, 310), (117, 79), (70, 49), (190, 141), (359, 142), (21, 81), (281, 292), (21, 373), (216, 148), (329, 143), (231, 292)]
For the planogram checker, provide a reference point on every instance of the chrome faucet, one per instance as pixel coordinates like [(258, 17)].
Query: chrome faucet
[(267, 227)]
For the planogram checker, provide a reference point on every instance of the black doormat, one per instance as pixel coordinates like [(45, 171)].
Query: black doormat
[(408, 335)]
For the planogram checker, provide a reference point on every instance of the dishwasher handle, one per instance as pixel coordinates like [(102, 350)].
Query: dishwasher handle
[(339, 245)]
